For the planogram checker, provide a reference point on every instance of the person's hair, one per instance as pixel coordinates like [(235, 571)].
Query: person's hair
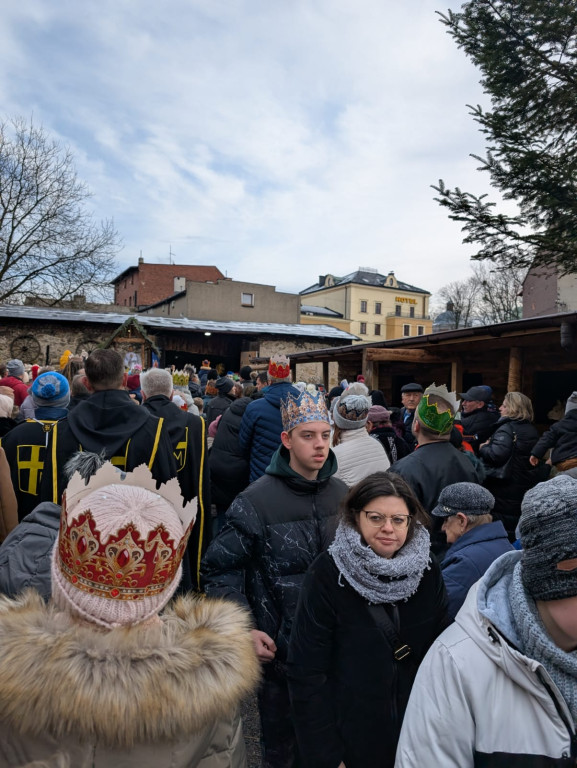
[(77, 386), (519, 406), (382, 484), (336, 435), (248, 390), (442, 406), (199, 402), (236, 390), (104, 369), (475, 520), (263, 377), (72, 367), (274, 380), (3, 370), (156, 381), (377, 397)]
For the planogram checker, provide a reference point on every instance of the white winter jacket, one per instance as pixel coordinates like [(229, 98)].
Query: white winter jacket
[(359, 455), (477, 702)]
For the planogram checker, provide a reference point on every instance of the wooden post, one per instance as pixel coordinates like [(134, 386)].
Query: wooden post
[(456, 376), (515, 369), (369, 371), (326, 375)]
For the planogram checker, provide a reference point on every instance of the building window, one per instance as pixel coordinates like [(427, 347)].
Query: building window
[(406, 330), (363, 306), (420, 330), (377, 329), (398, 310), (135, 298), (411, 311), (378, 308), (363, 328), (247, 299)]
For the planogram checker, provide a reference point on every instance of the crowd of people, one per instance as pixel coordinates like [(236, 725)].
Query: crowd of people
[(398, 585)]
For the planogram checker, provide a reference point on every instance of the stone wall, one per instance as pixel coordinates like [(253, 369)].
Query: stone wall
[(38, 342), (307, 372)]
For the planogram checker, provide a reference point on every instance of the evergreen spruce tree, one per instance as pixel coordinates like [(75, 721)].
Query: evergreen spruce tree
[(526, 51)]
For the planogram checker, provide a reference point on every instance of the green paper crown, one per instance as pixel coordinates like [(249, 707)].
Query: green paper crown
[(432, 419)]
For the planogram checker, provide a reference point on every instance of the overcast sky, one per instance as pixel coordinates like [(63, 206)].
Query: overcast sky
[(277, 140)]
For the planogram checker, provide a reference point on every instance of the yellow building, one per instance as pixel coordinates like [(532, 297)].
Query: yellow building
[(377, 307)]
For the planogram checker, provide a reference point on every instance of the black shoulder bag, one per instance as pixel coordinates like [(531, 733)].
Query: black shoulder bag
[(381, 618)]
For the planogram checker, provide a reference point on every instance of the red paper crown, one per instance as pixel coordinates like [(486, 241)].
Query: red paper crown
[(279, 367), (129, 565)]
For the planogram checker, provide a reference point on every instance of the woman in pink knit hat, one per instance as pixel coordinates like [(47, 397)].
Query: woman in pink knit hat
[(98, 677)]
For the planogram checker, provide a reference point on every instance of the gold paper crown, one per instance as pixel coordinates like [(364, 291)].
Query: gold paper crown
[(180, 379), (302, 407), (129, 564)]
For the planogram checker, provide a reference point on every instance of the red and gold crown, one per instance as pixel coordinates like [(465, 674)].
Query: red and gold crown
[(127, 563), (279, 367)]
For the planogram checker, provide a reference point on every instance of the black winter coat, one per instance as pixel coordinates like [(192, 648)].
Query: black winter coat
[(511, 438), (187, 434), (216, 407), (561, 437), (229, 466), (273, 532), (108, 420), (395, 447), (407, 424), (348, 694), (478, 425)]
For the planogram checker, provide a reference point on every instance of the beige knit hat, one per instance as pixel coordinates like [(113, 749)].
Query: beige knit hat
[(117, 558)]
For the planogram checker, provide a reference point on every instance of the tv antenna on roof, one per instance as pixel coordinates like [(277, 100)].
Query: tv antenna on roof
[(170, 255)]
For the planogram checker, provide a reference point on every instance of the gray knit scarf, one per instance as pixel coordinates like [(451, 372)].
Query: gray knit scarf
[(376, 578), (536, 643)]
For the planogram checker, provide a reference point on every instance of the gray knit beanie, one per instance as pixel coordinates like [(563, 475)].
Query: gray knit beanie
[(15, 367), (571, 402), (351, 411), (469, 498), (224, 385), (548, 529)]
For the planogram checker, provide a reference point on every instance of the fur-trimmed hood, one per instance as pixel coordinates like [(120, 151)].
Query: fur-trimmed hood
[(126, 686)]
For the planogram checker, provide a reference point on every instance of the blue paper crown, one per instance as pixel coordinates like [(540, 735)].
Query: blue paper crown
[(302, 407)]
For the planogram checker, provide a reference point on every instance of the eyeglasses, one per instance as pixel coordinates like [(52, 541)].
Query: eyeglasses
[(397, 521)]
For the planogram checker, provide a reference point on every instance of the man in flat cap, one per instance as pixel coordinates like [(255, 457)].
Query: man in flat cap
[(477, 418), (411, 395)]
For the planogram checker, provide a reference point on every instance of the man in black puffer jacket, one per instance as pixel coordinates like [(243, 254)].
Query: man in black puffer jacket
[(229, 466), (273, 532)]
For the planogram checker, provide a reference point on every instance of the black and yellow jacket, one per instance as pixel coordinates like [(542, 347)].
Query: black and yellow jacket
[(25, 447), (187, 434), (108, 421)]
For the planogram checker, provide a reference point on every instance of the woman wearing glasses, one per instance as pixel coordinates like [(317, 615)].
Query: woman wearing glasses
[(368, 612)]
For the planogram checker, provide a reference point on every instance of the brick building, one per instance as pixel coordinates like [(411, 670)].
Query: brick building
[(147, 284)]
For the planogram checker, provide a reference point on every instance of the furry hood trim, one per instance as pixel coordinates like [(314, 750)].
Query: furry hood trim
[(126, 686)]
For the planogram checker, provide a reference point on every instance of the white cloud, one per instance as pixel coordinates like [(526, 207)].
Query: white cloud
[(276, 140)]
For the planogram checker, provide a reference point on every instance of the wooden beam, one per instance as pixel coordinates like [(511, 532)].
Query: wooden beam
[(456, 375), (402, 355), (326, 375), (369, 369), (515, 369)]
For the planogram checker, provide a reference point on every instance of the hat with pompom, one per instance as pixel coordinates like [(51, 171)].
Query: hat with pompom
[(351, 411), (50, 389)]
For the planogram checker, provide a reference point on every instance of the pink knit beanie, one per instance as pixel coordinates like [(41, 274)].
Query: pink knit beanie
[(117, 558)]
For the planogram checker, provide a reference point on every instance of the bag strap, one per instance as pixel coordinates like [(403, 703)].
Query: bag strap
[(381, 618)]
